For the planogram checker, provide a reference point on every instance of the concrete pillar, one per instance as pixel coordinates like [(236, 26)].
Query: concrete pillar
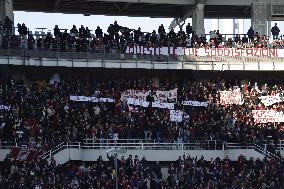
[(241, 26), (198, 20), (269, 17), (6, 9), (259, 14), (269, 28)]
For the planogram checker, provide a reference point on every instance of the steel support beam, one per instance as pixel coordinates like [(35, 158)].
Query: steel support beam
[(187, 14)]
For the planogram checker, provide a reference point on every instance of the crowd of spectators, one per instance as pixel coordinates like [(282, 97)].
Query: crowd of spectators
[(42, 113), (134, 173), (119, 37)]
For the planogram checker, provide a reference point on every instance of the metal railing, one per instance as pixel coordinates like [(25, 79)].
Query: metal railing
[(141, 144), (115, 54), (217, 144), (137, 144), (85, 59), (152, 144)]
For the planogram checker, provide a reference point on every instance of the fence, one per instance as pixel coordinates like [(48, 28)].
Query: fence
[(115, 54), (141, 144)]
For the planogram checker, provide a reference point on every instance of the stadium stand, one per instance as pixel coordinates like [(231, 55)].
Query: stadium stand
[(40, 117), (119, 37), (51, 113)]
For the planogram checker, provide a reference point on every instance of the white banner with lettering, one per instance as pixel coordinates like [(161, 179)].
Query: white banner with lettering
[(142, 94), (270, 100), (134, 94), (165, 95), (176, 115), (194, 103), (137, 102), (90, 99), (4, 107), (145, 104), (231, 97), (208, 52), (163, 105), (267, 116)]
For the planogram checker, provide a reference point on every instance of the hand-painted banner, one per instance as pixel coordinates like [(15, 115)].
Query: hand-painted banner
[(134, 94), (231, 97), (165, 95), (270, 100), (137, 102), (176, 115), (145, 104), (158, 95), (207, 52), (4, 107), (267, 116), (195, 103), (90, 99), (163, 105)]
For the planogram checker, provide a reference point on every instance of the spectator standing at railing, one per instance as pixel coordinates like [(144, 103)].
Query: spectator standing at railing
[(256, 38), (218, 38), (245, 40), (154, 38), (99, 32), (82, 32), (19, 28), (161, 29), (275, 32), (172, 37), (39, 43), (56, 31), (162, 35), (188, 29), (116, 29), (87, 33), (202, 39), (250, 34), (74, 31), (138, 36), (22, 29), (181, 38), (237, 39), (31, 42)]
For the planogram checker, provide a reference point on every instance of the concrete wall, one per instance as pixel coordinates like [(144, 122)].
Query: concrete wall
[(149, 65), (153, 155)]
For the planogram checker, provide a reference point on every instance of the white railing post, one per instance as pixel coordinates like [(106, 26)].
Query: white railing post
[(142, 146)]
